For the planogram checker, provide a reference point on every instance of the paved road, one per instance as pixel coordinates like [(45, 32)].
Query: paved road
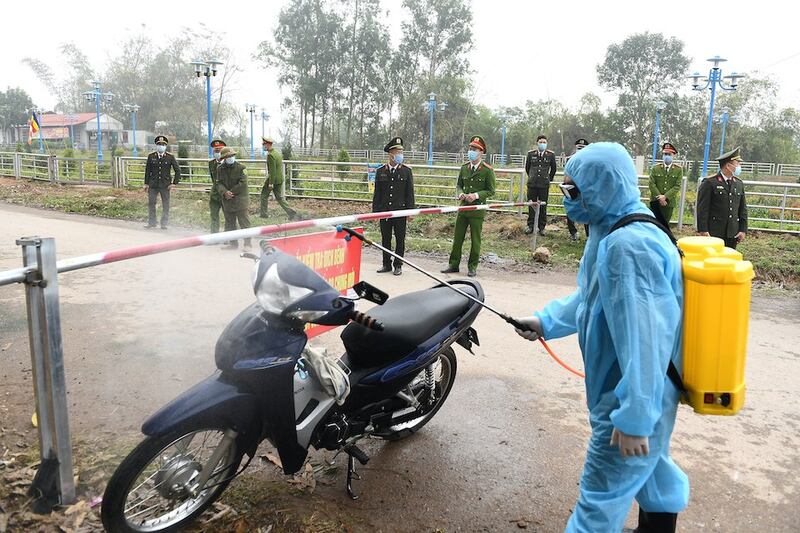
[(507, 446)]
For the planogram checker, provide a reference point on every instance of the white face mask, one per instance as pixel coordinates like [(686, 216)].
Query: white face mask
[(161, 148)]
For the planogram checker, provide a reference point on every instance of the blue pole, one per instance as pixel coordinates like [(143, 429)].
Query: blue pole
[(503, 144), (71, 132), (135, 151), (97, 94), (252, 146), (208, 111), (655, 136), (431, 105), (722, 142), (714, 76)]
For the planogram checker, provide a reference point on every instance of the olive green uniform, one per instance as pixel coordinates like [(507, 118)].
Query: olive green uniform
[(274, 183), (214, 201), (666, 181), (481, 181), (233, 178)]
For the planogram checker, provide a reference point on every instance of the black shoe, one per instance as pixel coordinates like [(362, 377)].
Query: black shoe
[(149, 226), (656, 522), (449, 270), (573, 237), (541, 233), (163, 226), (528, 230), (472, 273), (398, 271), (263, 215), (384, 268)]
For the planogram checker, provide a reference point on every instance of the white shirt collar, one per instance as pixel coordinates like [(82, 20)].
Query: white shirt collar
[(392, 167)]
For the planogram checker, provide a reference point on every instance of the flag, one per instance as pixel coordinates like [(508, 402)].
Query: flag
[(33, 125)]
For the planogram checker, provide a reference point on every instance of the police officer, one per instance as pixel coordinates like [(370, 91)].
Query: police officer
[(215, 202), (580, 144), (394, 190), (232, 187), (721, 205), (157, 181), (475, 184), (274, 180), (665, 183), (540, 167)]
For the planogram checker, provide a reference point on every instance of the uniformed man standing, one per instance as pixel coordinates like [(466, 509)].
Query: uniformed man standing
[(580, 144), (274, 180), (476, 183), (394, 190), (157, 181), (540, 167), (215, 202), (232, 187), (721, 205), (665, 184)]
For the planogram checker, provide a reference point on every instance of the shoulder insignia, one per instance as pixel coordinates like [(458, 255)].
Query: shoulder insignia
[(487, 165), (548, 151)]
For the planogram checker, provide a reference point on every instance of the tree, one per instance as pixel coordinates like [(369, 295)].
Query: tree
[(642, 69), (14, 106)]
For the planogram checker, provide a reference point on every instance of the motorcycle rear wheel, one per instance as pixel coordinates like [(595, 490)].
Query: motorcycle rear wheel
[(149, 491), (444, 368)]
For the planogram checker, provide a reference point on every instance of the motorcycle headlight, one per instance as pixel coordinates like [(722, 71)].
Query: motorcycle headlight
[(273, 294)]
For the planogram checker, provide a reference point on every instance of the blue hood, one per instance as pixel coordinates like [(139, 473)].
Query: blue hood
[(606, 177)]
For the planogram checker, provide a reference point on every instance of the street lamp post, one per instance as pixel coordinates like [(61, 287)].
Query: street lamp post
[(71, 118), (264, 118), (660, 106), (133, 108), (724, 119), (250, 108), (503, 140), (207, 68), (97, 95), (432, 106), (713, 80), (37, 115)]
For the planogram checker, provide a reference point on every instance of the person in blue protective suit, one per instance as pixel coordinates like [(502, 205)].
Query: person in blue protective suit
[(627, 313)]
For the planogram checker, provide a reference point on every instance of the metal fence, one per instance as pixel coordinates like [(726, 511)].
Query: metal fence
[(772, 206)]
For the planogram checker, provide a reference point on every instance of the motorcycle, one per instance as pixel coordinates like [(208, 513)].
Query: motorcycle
[(396, 372)]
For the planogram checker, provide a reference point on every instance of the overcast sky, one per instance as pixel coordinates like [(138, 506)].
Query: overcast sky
[(523, 50)]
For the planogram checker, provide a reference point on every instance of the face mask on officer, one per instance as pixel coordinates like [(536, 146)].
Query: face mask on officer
[(217, 155), (230, 160), (473, 155), (161, 148), (398, 158), (737, 170), (667, 159), (542, 146)]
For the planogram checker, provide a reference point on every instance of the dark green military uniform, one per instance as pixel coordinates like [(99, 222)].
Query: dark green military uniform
[(214, 201), (274, 183), (722, 208), (480, 180), (233, 178), (666, 181)]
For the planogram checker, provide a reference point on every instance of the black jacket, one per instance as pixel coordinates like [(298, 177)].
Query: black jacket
[(540, 168), (156, 172), (721, 207), (393, 190)]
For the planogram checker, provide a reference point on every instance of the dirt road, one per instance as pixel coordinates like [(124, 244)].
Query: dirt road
[(507, 447)]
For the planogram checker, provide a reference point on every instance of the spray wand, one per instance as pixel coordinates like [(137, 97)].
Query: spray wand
[(352, 233)]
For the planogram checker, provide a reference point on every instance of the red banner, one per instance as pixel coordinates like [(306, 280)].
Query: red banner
[(330, 256)]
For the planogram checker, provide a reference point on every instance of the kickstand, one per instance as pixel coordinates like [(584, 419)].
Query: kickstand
[(351, 475)]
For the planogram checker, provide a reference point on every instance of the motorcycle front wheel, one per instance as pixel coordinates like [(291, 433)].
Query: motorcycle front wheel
[(441, 374), (154, 488)]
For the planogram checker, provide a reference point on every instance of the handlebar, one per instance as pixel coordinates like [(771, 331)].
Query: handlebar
[(366, 321)]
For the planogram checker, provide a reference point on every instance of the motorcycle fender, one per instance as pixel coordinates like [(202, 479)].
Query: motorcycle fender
[(211, 403)]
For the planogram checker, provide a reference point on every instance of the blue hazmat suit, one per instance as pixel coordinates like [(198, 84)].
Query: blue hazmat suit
[(627, 312)]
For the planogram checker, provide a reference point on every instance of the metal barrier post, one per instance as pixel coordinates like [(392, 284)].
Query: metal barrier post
[(783, 207), (53, 483), (536, 208), (682, 202), (17, 173)]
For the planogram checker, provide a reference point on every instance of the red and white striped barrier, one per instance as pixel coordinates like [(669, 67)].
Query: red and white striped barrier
[(18, 275)]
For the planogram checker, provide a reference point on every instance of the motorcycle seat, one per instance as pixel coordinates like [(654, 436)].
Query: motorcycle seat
[(408, 321)]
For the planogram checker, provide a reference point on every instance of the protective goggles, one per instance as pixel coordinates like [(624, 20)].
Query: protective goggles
[(570, 190)]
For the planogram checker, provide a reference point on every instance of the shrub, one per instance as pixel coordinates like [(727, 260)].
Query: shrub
[(286, 151), (343, 156)]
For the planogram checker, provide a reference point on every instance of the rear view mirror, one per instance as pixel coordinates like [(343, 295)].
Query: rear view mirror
[(368, 292)]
